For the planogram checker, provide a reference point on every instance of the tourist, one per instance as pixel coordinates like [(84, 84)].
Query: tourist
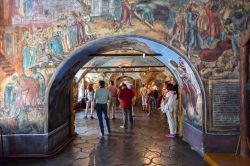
[(112, 102), (143, 93), (102, 96), (126, 96), (169, 110), (131, 87), (89, 93)]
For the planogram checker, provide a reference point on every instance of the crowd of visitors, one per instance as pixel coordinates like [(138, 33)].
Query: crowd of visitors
[(104, 100)]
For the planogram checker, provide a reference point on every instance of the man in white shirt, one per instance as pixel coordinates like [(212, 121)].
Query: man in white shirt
[(101, 97), (112, 101)]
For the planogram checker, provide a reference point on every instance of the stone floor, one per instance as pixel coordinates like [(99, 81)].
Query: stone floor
[(145, 144)]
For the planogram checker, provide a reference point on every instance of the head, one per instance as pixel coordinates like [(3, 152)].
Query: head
[(33, 70), (14, 76), (173, 82), (143, 85), (124, 86), (111, 82), (90, 87), (101, 84), (155, 87), (170, 87)]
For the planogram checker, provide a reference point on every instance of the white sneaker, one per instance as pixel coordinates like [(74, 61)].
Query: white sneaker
[(123, 127)]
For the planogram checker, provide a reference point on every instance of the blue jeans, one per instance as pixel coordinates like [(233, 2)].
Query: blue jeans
[(127, 114), (102, 109)]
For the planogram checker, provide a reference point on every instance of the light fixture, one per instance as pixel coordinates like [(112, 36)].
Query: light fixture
[(143, 55)]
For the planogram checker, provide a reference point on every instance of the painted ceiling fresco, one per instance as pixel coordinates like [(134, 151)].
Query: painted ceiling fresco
[(39, 35)]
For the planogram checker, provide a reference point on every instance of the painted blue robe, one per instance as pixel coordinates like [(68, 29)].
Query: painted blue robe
[(9, 95), (56, 45)]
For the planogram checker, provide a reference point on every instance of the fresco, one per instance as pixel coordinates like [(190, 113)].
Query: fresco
[(207, 31), (191, 94), (22, 110)]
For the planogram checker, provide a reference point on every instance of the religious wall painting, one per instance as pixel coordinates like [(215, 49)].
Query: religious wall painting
[(27, 13), (191, 93), (15, 45), (7, 41), (23, 107), (54, 31)]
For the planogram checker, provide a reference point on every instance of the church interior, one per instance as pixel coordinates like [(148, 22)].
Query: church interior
[(124, 82)]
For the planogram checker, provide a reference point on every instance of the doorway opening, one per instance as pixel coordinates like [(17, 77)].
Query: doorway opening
[(192, 91)]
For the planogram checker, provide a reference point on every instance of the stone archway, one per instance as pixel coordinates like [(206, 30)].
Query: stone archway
[(194, 102)]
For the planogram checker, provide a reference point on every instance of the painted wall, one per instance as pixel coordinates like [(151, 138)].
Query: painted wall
[(207, 31)]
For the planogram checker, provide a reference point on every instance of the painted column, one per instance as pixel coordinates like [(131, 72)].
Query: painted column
[(244, 118)]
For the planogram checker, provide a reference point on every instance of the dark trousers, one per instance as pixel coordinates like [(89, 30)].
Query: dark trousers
[(102, 109), (127, 114)]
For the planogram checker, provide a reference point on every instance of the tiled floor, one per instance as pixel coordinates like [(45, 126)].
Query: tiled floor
[(145, 144)]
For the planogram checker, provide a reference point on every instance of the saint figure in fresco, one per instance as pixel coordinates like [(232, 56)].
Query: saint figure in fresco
[(126, 13), (30, 91), (146, 12), (80, 26), (239, 18), (72, 33), (27, 7), (117, 13), (55, 45), (88, 27), (10, 93), (213, 9), (41, 82), (171, 18), (178, 29), (193, 38)]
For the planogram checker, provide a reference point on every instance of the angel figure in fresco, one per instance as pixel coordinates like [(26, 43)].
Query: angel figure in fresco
[(189, 89)]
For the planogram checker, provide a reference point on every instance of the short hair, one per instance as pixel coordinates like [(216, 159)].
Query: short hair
[(124, 85), (111, 82), (102, 84), (170, 87), (143, 85)]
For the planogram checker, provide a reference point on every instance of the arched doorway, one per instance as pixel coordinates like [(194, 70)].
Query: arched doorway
[(193, 94)]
